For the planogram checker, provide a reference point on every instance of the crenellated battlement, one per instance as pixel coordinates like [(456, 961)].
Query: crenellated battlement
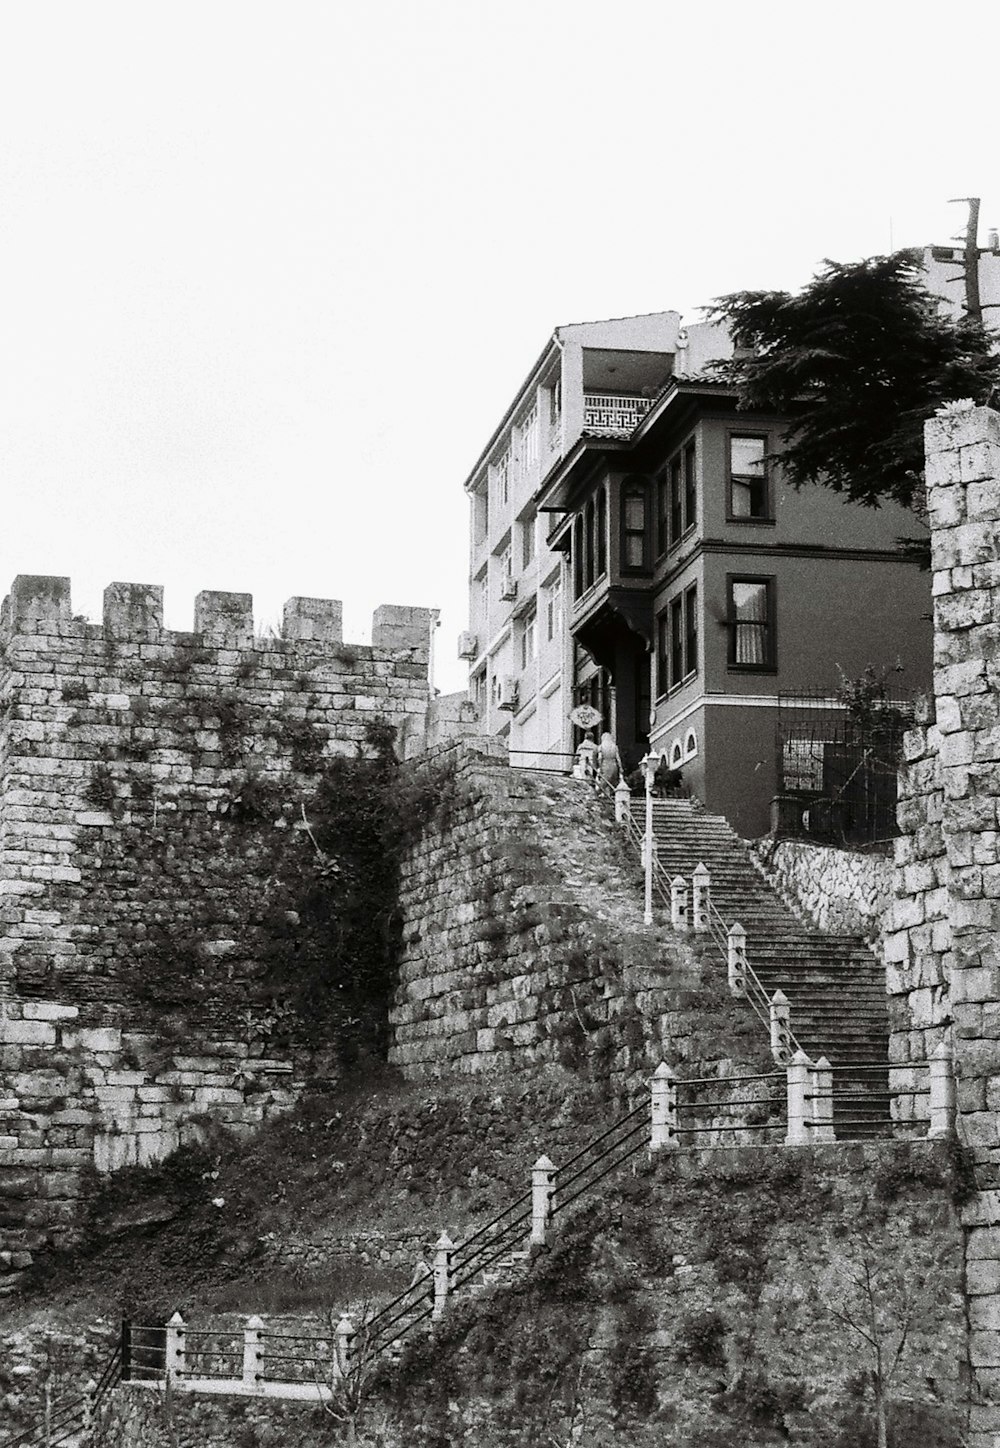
[(39, 604)]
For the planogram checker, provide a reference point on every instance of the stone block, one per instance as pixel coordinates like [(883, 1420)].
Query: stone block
[(37, 602), (27, 1033), (133, 611), (405, 632), (313, 620), (49, 1011), (90, 1038), (224, 618), (983, 1277)]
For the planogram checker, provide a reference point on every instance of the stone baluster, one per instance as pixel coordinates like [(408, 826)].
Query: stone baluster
[(663, 1088), (253, 1354), (679, 903), (176, 1362), (444, 1251), (543, 1189), (736, 941), (700, 888), (799, 1080), (623, 803), (822, 1101), (344, 1347), (781, 1028)]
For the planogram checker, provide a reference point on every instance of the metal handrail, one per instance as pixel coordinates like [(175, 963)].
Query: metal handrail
[(720, 934)]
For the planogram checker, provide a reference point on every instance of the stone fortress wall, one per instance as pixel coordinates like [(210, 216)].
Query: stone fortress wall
[(126, 751), (942, 943)]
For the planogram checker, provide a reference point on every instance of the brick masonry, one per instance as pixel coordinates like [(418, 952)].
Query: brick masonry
[(126, 750)]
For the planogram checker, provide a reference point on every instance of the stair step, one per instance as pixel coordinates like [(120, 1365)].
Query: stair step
[(835, 986)]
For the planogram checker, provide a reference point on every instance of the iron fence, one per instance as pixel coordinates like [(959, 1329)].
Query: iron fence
[(837, 765)]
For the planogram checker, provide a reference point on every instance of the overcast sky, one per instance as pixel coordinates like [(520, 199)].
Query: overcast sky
[(271, 273)]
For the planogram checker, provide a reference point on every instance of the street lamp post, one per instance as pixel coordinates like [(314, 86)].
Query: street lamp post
[(648, 764)]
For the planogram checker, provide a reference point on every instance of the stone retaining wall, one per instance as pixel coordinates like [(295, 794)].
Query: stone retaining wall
[(842, 891), (523, 942)]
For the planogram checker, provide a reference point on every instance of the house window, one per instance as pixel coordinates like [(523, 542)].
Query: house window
[(633, 527), (663, 653), (527, 540), (676, 501), (676, 640), (481, 513), (588, 528), (691, 630), (529, 437), (690, 489), (750, 614), (503, 479), (553, 610), (578, 555), (662, 512), (601, 524), (748, 490), (506, 572), (529, 636)]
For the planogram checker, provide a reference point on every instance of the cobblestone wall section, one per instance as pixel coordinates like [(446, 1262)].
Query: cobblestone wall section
[(125, 749), (842, 891)]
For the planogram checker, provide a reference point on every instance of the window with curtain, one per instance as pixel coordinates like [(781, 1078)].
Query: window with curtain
[(751, 623), (633, 527)]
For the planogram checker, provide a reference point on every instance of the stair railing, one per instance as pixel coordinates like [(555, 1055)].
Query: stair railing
[(771, 1011), (72, 1418)]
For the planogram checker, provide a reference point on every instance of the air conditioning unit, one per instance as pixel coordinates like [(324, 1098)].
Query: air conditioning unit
[(508, 588), (468, 646), (508, 693)]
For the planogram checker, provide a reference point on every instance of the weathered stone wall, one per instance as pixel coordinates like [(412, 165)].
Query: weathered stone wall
[(917, 936), (942, 952), (131, 867), (843, 891), (523, 942)]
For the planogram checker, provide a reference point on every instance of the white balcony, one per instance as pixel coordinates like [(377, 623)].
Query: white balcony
[(612, 412)]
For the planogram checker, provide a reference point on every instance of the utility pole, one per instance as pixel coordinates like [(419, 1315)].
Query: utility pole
[(970, 260)]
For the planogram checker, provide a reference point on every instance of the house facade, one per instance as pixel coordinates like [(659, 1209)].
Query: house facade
[(701, 588), (594, 380), (633, 546)]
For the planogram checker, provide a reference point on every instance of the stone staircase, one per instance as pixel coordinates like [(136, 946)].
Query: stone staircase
[(835, 985)]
